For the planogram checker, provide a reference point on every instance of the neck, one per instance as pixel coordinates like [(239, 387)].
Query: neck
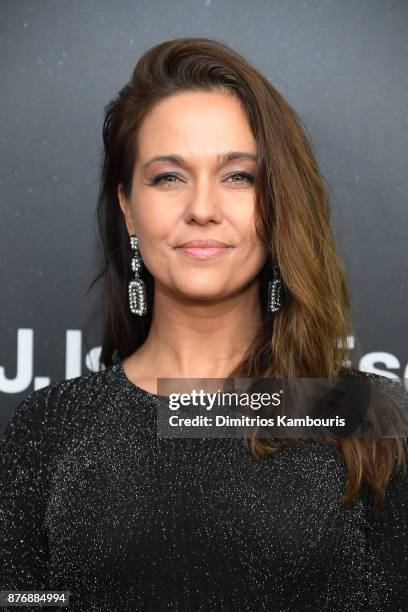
[(200, 339)]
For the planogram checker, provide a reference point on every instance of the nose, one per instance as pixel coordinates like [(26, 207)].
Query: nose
[(204, 202)]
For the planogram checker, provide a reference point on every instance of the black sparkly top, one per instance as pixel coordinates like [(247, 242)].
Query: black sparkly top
[(93, 502)]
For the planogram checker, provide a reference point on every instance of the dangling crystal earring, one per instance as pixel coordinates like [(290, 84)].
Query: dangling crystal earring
[(275, 291), (137, 287)]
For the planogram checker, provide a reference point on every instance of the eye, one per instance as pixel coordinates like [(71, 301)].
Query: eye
[(249, 178), (165, 178)]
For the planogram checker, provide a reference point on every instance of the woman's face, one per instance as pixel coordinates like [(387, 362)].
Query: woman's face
[(198, 196)]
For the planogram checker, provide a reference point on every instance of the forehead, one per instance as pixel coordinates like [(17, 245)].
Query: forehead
[(195, 124)]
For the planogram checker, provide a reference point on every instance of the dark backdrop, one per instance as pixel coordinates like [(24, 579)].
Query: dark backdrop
[(342, 65)]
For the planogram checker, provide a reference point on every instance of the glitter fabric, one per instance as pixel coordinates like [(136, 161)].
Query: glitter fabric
[(94, 503)]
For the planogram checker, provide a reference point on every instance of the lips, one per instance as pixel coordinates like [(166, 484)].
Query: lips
[(204, 249), (204, 244)]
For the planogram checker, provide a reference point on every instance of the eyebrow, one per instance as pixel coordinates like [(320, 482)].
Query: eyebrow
[(223, 157)]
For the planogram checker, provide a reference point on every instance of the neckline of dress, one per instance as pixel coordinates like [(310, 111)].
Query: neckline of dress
[(130, 384)]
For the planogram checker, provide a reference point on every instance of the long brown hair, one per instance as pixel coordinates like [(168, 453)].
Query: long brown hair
[(307, 337)]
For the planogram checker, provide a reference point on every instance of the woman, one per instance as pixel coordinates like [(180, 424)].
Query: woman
[(198, 147)]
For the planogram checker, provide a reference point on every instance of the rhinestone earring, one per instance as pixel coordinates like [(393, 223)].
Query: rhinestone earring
[(137, 287), (275, 291)]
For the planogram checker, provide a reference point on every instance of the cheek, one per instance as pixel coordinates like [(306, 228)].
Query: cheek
[(154, 232), (255, 256), (253, 248), (154, 221)]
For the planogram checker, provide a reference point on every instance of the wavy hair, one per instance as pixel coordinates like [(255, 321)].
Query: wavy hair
[(308, 336)]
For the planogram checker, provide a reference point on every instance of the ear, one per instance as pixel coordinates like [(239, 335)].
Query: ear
[(126, 209)]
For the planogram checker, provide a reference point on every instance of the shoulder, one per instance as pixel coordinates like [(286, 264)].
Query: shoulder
[(355, 373), (391, 388), (52, 411), (68, 388), (395, 387), (63, 391)]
